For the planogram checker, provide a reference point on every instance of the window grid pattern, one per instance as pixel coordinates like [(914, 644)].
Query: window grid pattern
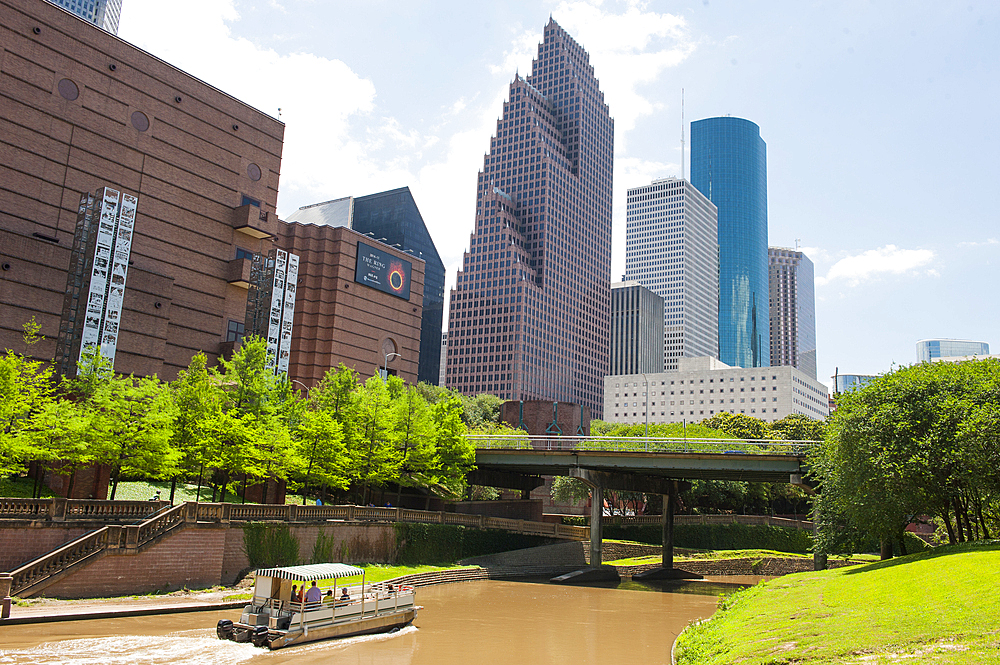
[(529, 317), (793, 310), (672, 248)]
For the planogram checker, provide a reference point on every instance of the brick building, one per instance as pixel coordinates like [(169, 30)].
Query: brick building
[(80, 110)]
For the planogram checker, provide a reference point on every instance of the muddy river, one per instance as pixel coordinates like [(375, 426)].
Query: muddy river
[(469, 622)]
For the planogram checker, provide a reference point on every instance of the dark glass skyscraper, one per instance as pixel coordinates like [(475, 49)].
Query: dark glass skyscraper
[(729, 166), (529, 316), (392, 217)]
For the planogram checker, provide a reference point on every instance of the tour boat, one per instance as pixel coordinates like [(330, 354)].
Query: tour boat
[(273, 620)]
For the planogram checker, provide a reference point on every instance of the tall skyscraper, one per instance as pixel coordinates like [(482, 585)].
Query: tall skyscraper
[(729, 166), (102, 13), (793, 310), (672, 248), (929, 349), (392, 217), (529, 317), (636, 329)]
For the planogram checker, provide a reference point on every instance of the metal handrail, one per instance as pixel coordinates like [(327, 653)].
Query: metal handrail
[(627, 444)]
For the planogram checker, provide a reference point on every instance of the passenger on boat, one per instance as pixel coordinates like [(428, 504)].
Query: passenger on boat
[(344, 595), (314, 595), (296, 596), (328, 598)]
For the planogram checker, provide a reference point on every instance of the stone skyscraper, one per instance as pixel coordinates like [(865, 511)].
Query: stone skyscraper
[(672, 248), (529, 317), (729, 166), (102, 13), (793, 310)]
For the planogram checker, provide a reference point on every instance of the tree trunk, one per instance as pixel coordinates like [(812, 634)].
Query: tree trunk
[(947, 524), (885, 546), (979, 515), (173, 489), (902, 543), (958, 520), (35, 489), (263, 492), (201, 473), (114, 486), (970, 527), (243, 499), (72, 481), (225, 486)]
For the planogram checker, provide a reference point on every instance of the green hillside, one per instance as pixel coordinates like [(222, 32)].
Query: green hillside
[(940, 606)]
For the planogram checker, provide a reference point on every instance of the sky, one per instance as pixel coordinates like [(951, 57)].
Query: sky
[(882, 124)]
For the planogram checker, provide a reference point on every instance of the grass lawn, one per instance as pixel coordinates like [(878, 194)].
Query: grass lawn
[(21, 488), (939, 606)]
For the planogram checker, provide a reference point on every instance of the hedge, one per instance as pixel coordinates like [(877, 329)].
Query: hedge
[(717, 536)]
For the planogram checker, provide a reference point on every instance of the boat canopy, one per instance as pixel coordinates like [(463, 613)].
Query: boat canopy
[(316, 571)]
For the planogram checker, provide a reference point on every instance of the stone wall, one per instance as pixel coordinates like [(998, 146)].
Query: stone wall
[(193, 556)]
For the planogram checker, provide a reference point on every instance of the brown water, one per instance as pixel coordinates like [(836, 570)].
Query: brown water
[(470, 622)]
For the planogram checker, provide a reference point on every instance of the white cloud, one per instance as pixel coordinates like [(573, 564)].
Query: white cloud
[(875, 262), (973, 243)]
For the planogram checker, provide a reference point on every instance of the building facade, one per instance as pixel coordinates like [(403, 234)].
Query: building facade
[(636, 329), (203, 169), (931, 349), (729, 166), (845, 382), (392, 217), (672, 248), (793, 309), (102, 13), (529, 317), (703, 387)]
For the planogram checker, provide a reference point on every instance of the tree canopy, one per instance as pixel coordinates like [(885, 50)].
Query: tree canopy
[(918, 441)]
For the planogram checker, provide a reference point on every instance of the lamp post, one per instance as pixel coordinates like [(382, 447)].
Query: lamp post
[(304, 386), (645, 394), (388, 357)]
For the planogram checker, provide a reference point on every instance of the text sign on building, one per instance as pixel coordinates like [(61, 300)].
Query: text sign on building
[(383, 271)]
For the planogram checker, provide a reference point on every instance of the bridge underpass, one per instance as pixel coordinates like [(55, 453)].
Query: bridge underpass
[(650, 465)]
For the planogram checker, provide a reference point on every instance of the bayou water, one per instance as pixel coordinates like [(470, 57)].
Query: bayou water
[(468, 622)]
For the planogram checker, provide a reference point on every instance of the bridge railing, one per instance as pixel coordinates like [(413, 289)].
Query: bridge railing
[(627, 444)]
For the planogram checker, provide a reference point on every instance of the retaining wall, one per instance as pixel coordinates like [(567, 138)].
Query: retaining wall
[(22, 541)]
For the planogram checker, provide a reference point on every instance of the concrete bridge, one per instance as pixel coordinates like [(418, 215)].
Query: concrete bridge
[(643, 464)]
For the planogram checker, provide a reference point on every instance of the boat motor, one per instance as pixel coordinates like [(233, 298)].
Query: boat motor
[(259, 636), (224, 629)]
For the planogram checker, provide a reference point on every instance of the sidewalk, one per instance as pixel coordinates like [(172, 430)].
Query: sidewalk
[(50, 609)]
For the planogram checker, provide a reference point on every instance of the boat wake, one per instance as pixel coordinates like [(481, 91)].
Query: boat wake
[(194, 647)]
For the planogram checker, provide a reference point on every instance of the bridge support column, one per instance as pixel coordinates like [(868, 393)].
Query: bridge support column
[(666, 571), (595, 572), (596, 523)]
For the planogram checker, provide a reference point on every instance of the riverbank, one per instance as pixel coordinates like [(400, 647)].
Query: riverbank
[(43, 610), (935, 606)]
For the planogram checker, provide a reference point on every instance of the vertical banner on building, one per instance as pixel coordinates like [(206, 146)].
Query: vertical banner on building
[(288, 312), (271, 304), (95, 288)]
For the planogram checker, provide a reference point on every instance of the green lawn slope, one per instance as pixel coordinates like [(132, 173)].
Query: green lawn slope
[(940, 606)]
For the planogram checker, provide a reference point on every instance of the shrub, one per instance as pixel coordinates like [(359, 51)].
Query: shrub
[(268, 545)]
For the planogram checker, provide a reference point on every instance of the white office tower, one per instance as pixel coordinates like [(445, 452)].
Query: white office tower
[(672, 248)]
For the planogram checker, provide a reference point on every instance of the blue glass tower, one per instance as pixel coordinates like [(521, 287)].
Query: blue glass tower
[(729, 166)]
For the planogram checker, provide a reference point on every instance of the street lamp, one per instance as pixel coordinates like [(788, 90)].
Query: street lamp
[(388, 357), (645, 385), (304, 386)]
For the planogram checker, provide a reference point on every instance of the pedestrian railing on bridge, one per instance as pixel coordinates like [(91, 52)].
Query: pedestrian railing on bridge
[(627, 444)]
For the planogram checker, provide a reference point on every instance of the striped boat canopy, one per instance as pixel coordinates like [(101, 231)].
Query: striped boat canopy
[(316, 571)]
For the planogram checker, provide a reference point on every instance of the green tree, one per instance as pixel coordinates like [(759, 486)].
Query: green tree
[(132, 427), (25, 389), (456, 455), (916, 441), (481, 411), (739, 425), (62, 439), (198, 395), (414, 435), (378, 458), (321, 446), (798, 427)]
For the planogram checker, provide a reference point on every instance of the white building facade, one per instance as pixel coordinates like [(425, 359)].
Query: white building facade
[(703, 387), (792, 309), (672, 248)]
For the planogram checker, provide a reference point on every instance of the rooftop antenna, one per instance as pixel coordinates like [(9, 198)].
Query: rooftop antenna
[(682, 133), (797, 241)]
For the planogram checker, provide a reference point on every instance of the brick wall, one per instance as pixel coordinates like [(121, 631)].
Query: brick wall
[(196, 556), (24, 541)]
